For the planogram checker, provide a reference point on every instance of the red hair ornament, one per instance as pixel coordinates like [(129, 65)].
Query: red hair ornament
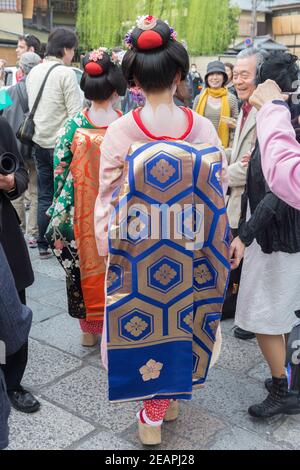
[(149, 40), (93, 69)]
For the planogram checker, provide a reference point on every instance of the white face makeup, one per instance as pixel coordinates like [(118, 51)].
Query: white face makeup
[(102, 114), (161, 116)]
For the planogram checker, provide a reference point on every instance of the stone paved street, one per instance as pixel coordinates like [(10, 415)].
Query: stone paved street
[(75, 413)]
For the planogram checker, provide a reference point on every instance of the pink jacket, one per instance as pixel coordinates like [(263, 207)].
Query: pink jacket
[(280, 152)]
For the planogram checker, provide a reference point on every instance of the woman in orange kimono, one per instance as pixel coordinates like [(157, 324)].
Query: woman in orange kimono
[(76, 168)]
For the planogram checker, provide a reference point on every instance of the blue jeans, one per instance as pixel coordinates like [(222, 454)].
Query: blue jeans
[(4, 413), (44, 165)]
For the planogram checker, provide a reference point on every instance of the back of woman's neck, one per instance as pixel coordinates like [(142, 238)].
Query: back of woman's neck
[(101, 113), (161, 116)]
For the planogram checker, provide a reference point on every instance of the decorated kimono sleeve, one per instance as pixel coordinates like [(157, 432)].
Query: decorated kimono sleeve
[(62, 159), (110, 182)]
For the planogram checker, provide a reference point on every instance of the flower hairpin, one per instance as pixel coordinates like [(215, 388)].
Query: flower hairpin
[(128, 39), (146, 23), (97, 54), (173, 34)]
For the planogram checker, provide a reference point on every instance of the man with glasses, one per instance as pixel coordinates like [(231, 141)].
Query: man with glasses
[(244, 81)]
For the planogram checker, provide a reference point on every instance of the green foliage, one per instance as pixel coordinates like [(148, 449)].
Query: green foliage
[(207, 26)]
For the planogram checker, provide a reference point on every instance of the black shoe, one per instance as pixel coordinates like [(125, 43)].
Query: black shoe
[(279, 401), (24, 401), (243, 334), (268, 384), (45, 253)]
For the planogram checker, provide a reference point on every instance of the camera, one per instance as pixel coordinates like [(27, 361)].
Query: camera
[(9, 163)]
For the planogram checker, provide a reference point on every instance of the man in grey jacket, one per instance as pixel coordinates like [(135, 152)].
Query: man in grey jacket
[(244, 80), (15, 114), (15, 323)]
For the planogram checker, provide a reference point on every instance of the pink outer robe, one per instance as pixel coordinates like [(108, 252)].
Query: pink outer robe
[(280, 152)]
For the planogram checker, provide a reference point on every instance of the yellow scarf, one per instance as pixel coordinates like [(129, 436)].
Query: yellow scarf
[(222, 93)]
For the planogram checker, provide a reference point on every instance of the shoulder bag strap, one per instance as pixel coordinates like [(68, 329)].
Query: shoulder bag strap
[(34, 108)]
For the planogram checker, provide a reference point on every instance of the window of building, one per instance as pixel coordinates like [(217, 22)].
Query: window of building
[(11, 5)]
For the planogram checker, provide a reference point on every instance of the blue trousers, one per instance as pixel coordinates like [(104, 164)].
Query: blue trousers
[(44, 165), (4, 412)]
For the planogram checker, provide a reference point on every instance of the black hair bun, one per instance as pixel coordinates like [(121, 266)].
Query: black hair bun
[(96, 63), (149, 35)]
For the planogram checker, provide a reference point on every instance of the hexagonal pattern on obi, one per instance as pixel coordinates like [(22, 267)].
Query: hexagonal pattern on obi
[(135, 226), (136, 325), (205, 275), (165, 274), (196, 360), (163, 171), (186, 319), (190, 222), (115, 278), (210, 325), (215, 177)]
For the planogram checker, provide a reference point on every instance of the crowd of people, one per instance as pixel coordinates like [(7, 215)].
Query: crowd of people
[(96, 170)]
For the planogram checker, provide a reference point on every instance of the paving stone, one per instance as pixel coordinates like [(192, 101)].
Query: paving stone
[(46, 364), (42, 312), (44, 286), (238, 355), (170, 441), (85, 393), (235, 438), (260, 372), (105, 440), (49, 267), (57, 298), (62, 332), (94, 359), (195, 423), (288, 433), (50, 428), (228, 395), (75, 411), (227, 327)]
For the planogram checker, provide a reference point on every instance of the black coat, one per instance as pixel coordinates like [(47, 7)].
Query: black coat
[(274, 224), (11, 236)]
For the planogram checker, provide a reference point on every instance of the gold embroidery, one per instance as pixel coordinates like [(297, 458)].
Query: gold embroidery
[(189, 319), (111, 278), (136, 326), (165, 274), (214, 326), (218, 176), (202, 274), (163, 171), (151, 370)]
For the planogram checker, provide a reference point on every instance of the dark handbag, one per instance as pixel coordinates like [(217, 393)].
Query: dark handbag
[(25, 132)]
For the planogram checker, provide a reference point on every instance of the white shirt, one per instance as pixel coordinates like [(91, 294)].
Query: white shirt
[(60, 100)]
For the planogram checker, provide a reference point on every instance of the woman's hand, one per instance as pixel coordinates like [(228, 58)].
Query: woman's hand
[(246, 159), (237, 250)]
